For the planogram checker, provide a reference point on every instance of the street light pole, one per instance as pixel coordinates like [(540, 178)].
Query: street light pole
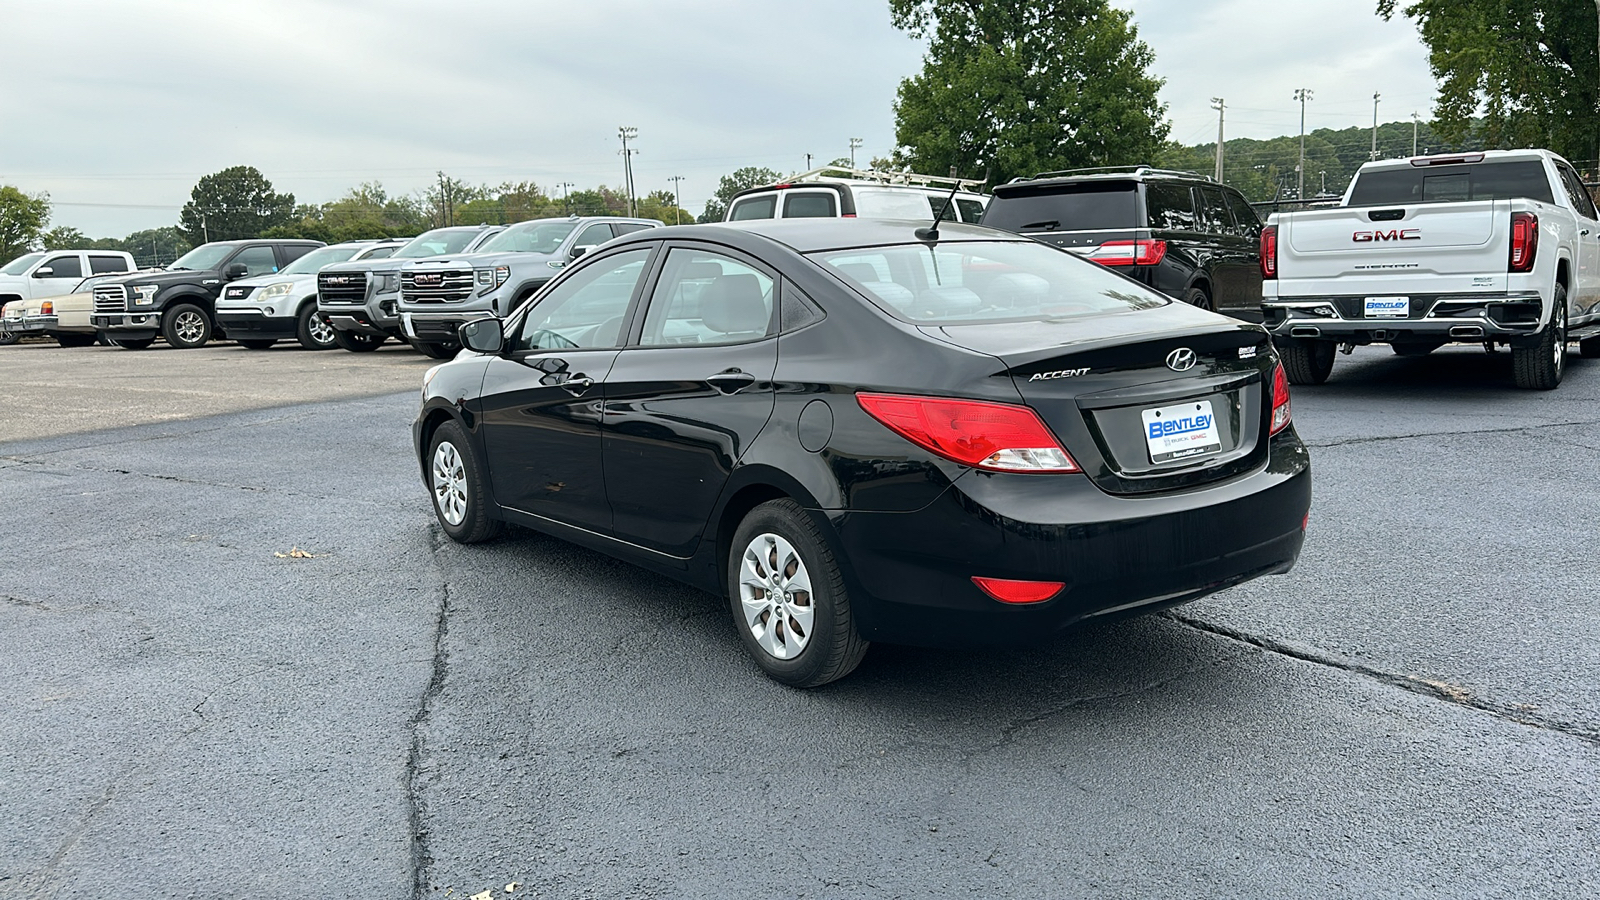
[(566, 204), (1221, 107), (1303, 94), (625, 132), (677, 199), (1416, 121), (855, 143), (1375, 96)]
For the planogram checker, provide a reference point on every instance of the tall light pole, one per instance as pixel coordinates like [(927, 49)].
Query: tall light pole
[(626, 132), (677, 198), (566, 204), (1221, 108), (1375, 96), (1416, 120), (855, 143), (808, 156), (1302, 94)]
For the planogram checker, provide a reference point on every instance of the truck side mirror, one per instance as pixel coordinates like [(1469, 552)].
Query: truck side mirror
[(44, 272), (237, 271), (581, 250), (482, 335)]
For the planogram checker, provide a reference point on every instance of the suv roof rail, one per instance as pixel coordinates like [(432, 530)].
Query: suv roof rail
[(883, 176), (1115, 170)]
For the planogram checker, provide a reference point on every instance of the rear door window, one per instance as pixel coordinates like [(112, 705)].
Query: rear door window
[(705, 298), (594, 235), (104, 265), (1249, 223), (1087, 206), (1576, 192), (1214, 213), (971, 210), (762, 207), (810, 205), (1169, 207)]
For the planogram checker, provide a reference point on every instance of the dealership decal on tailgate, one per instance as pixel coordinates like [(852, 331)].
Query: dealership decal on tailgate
[(1388, 308), (1182, 431)]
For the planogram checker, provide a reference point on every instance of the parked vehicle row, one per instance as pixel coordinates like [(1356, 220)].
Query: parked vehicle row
[(262, 310)]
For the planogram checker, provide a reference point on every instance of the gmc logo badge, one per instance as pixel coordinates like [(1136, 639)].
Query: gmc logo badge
[(339, 279), (430, 279), (1407, 234)]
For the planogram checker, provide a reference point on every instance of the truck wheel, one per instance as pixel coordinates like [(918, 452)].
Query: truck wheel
[(186, 326), (1417, 349), (1539, 367), (133, 343), (1307, 362), (358, 342), (1590, 348), (256, 343), (1198, 298), (73, 339), (312, 332), (436, 351)]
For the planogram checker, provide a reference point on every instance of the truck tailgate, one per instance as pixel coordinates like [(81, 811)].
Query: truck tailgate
[(1425, 248)]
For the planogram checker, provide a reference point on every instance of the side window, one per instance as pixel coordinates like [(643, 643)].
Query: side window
[(586, 311), (380, 253), (256, 260), (810, 205), (971, 210), (629, 228), (65, 267), (105, 265), (594, 235), (707, 298), (1169, 207), (1576, 192), (765, 207), (1214, 212), (292, 252), (1249, 224)]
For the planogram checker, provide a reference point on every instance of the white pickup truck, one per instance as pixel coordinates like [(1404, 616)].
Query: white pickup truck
[(1499, 248)]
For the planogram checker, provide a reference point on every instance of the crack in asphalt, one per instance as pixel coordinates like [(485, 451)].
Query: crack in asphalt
[(416, 807), (26, 463), (1430, 688), (1378, 439)]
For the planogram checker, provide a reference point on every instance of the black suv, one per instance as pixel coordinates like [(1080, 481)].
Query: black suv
[(1183, 234)]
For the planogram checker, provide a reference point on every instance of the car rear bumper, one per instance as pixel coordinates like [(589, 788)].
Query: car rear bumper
[(28, 324), (1439, 318), (911, 573), (253, 323)]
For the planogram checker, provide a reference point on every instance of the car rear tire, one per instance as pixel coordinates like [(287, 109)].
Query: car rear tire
[(436, 351), (1307, 362), (186, 326), (312, 332), (256, 343), (358, 342), (1198, 298), (7, 338), (75, 340), (788, 598), (1539, 367), (1419, 349), (133, 343), (455, 481)]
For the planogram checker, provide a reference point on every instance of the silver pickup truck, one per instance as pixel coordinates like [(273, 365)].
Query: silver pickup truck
[(1500, 248)]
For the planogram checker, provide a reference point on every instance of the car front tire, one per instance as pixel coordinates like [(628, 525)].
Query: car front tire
[(455, 481), (788, 598), (186, 326), (312, 332)]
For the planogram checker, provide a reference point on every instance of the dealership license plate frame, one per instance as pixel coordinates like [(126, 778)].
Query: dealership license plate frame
[(1387, 308), (1193, 442)]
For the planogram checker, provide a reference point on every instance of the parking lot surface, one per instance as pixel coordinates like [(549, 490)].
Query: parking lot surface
[(195, 708)]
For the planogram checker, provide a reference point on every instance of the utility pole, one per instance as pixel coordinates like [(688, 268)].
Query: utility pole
[(1302, 94), (566, 203), (1324, 175), (855, 143), (1375, 96), (1220, 107), (625, 132), (1416, 120), (677, 199), (808, 156)]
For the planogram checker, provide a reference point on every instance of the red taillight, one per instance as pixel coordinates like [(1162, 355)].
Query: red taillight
[(1007, 591), (46, 308), (1269, 252), (1129, 253), (1280, 399), (1524, 241), (999, 437)]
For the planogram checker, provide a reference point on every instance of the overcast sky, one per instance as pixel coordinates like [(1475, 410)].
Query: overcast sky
[(116, 108)]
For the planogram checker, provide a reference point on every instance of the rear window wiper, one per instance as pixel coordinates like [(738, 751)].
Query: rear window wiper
[(1048, 225)]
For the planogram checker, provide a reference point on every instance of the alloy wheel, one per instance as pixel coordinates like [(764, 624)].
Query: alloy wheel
[(190, 326), (321, 331), (775, 595), (1559, 351), (450, 483)]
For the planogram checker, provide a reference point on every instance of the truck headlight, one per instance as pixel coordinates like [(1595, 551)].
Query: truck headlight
[(388, 283), (491, 279), (144, 294), (276, 290)]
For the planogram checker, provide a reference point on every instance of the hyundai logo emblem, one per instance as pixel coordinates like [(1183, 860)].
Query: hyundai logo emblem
[(1182, 359)]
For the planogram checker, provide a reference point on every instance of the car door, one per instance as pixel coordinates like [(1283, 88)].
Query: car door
[(689, 394), (541, 398), (1230, 285), (591, 237), (1250, 233), (57, 275), (1585, 293)]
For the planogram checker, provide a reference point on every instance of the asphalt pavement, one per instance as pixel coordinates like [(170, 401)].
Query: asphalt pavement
[(242, 659)]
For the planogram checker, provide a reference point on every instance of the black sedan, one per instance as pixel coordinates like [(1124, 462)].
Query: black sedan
[(862, 431)]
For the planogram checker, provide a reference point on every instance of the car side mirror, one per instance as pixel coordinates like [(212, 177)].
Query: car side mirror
[(581, 250), (43, 272), (482, 335), (237, 271)]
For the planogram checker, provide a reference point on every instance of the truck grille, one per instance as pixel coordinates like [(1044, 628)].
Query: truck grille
[(342, 287), (435, 287), (110, 298)]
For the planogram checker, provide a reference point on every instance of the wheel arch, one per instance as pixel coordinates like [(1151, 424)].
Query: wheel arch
[(750, 487), (432, 420)]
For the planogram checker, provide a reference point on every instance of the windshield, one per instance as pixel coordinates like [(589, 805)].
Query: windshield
[(316, 259), (20, 264), (437, 242), (203, 257), (529, 237), (1443, 184), (1087, 206), (985, 281)]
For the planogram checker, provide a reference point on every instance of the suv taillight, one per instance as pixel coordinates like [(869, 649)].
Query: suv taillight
[(1269, 252), (1524, 241), (1129, 253), (1000, 437), (1280, 399)]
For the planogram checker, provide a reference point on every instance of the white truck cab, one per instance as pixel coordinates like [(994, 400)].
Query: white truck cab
[(838, 192), (1500, 248), (54, 273)]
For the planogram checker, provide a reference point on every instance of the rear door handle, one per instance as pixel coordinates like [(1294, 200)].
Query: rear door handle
[(731, 382), (579, 384)]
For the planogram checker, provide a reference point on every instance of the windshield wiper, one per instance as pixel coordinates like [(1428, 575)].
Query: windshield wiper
[(1047, 225)]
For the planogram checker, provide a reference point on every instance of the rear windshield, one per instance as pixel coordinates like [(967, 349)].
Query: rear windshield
[(985, 281), (1443, 184), (764, 207), (1091, 206)]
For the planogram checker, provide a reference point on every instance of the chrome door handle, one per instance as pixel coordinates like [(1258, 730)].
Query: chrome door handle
[(578, 385), (1583, 231)]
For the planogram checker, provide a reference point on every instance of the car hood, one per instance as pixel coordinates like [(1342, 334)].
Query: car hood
[(487, 260), (180, 276), (275, 278)]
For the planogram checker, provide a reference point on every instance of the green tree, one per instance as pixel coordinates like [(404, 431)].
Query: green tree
[(22, 219), (64, 237), (154, 246), (602, 201), (1529, 67), (366, 211), (740, 179), (1013, 88), (661, 205), (237, 202)]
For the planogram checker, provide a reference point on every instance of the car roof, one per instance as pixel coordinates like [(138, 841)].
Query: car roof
[(1047, 180), (811, 235)]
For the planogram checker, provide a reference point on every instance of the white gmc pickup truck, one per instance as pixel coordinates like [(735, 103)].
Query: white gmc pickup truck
[(1500, 248)]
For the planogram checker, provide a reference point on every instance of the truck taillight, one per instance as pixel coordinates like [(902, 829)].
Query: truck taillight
[(1269, 252), (1524, 241), (1129, 253)]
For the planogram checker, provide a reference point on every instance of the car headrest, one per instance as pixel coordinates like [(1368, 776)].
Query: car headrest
[(733, 304), (862, 272)]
